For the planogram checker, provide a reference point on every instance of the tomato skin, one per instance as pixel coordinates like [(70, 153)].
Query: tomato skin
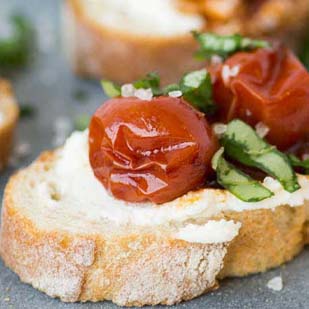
[(272, 87), (150, 150)]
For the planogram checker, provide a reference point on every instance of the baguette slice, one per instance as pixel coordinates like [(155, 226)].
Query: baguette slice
[(8, 121), (98, 50), (67, 255)]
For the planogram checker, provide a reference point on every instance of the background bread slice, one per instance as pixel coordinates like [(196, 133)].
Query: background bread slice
[(132, 265), (97, 51), (9, 116)]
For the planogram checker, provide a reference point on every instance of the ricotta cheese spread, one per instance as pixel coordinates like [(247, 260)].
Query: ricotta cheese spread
[(78, 189)]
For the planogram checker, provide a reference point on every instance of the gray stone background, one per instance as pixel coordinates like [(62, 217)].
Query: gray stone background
[(48, 84)]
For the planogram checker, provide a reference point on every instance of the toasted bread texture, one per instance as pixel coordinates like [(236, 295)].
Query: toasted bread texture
[(132, 265), (97, 50), (8, 120)]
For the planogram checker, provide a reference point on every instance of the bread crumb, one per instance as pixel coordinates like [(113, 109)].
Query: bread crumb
[(275, 283)]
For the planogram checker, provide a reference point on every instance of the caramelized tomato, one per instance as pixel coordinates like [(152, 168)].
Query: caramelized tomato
[(150, 150), (272, 87)]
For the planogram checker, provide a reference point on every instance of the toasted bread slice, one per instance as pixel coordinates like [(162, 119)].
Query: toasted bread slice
[(51, 243), (8, 120), (97, 51), (99, 47)]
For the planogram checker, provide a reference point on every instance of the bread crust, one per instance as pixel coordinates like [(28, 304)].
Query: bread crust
[(99, 52), (9, 111), (140, 268), (268, 238)]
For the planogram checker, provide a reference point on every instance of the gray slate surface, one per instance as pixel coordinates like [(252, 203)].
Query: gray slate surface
[(49, 85)]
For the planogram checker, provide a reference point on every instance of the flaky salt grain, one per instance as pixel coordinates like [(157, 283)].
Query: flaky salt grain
[(262, 129), (175, 94), (219, 128), (127, 90), (228, 72), (216, 60), (248, 113), (143, 94), (275, 284)]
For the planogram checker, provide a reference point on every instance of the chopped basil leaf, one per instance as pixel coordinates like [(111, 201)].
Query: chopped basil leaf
[(296, 162), (152, 80), (196, 88), (111, 89), (15, 47), (243, 144), (81, 122), (225, 45), (238, 183), (169, 88)]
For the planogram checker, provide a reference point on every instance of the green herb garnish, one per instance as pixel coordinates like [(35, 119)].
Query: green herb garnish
[(15, 49), (111, 89), (195, 88), (238, 183), (243, 144), (152, 80), (81, 122), (296, 162), (225, 45)]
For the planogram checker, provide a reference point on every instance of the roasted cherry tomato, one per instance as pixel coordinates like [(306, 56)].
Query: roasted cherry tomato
[(271, 87), (150, 150)]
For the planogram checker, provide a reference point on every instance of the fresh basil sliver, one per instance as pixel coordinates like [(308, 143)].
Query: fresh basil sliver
[(196, 88), (243, 144), (111, 89), (296, 162), (238, 183), (225, 45)]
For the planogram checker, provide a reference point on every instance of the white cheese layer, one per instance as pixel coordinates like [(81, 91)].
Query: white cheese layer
[(212, 232), (77, 184), (151, 17)]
